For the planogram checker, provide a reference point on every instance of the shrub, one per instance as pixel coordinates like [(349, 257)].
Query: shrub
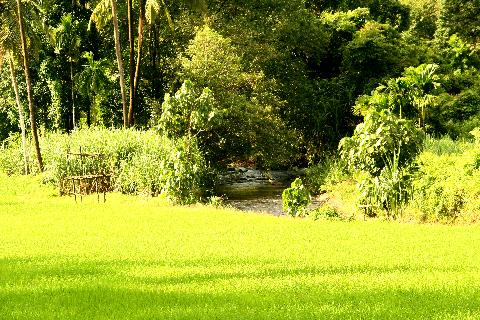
[(381, 137), (319, 177), (11, 155), (325, 212), (296, 199), (187, 112), (446, 186), (389, 191), (381, 153), (139, 161)]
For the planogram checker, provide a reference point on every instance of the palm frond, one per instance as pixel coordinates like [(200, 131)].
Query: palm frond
[(4, 33), (2, 55), (152, 8), (101, 14)]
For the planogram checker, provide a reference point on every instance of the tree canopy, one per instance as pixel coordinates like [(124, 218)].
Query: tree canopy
[(284, 75)]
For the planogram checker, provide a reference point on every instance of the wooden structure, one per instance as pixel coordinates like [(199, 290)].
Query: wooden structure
[(87, 183)]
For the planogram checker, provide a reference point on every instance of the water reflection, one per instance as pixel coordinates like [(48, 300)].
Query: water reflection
[(261, 196)]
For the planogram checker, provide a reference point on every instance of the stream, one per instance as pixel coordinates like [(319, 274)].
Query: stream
[(255, 190)]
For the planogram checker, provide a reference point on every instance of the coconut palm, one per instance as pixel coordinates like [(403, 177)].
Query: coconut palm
[(149, 9), (131, 62), (26, 69), (100, 16), (9, 44), (67, 42), (92, 79)]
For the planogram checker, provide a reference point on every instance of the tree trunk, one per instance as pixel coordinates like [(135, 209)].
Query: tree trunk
[(26, 69), (73, 95), (21, 117), (141, 21), (131, 62), (118, 52), (89, 113)]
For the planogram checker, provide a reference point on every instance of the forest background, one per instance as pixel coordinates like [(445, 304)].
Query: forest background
[(273, 84)]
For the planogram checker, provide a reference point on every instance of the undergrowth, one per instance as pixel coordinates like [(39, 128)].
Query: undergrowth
[(444, 185), (139, 161)]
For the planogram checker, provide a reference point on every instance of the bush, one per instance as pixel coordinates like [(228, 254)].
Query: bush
[(389, 191), (139, 161), (296, 199), (381, 137), (381, 154), (319, 177), (447, 186), (11, 156), (325, 212)]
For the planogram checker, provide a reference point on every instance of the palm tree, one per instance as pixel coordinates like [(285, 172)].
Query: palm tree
[(92, 79), (141, 23), (26, 69), (153, 7), (9, 43), (67, 42), (131, 62), (149, 9), (21, 117), (24, 50), (98, 16)]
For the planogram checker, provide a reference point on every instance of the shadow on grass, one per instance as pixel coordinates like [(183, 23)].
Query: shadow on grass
[(216, 289)]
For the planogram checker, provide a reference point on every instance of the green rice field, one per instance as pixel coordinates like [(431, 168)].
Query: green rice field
[(139, 258)]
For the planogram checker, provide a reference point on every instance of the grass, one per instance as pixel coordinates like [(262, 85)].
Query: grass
[(136, 258)]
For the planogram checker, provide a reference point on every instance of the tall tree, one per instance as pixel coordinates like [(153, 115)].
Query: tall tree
[(131, 61), (99, 16), (26, 69), (21, 117), (141, 23), (148, 11), (67, 42), (9, 43), (92, 81)]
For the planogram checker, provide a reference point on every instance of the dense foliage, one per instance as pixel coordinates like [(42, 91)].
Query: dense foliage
[(139, 162), (267, 83), (284, 72), (446, 184), (296, 199)]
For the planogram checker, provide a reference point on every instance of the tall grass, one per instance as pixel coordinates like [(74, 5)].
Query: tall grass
[(139, 161), (445, 145)]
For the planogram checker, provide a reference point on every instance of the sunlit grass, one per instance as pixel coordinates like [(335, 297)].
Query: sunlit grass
[(137, 258)]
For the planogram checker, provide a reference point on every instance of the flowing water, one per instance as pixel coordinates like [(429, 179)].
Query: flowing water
[(254, 190)]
